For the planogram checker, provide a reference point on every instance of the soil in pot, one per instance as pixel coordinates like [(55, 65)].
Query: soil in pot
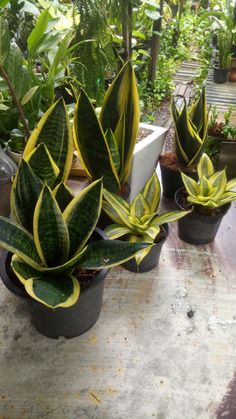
[(202, 224), (151, 260), (68, 322), (170, 173)]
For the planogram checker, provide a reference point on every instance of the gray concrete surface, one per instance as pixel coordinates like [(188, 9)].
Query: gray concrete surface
[(146, 357)]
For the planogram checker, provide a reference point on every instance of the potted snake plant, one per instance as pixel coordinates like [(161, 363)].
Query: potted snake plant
[(51, 244), (140, 222), (209, 199), (106, 143), (190, 135)]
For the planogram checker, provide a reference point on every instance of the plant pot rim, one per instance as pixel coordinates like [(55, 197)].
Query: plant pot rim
[(223, 209), (17, 290)]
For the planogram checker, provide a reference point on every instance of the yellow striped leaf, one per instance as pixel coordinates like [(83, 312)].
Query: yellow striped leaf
[(43, 165), (205, 167), (50, 230), (152, 192), (61, 291), (82, 214), (54, 131)]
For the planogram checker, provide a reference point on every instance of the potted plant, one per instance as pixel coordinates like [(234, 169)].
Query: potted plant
[(221, 141), (52, 236), (50, 263), (106, 143), (140, 222), (190, 135), (209, 199), (221, 67)]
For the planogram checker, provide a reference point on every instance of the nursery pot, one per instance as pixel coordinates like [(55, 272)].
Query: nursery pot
[(68, 322), (172, 180), (151, 260), (227, 158), (198, 228), (220, 75)]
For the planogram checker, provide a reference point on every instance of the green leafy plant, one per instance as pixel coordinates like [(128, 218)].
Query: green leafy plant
[(45, 260), (224, 44), (50, 233), (212, 190), (190, 128), (105, 144), (139, 221)]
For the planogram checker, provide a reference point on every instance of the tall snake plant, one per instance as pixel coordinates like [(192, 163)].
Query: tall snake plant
[(106, 143), (190, 128)]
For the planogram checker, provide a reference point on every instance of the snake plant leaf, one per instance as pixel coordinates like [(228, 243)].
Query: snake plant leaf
[(62, 291), (231, 185), (151, 233), (197, 113), (188, 141), (50, 230), (142, 253), (114, 231), (226, 198), (205, 167), (111, 141), (4, 40), (190, 184), (168, 217), (122, 97), (16, 239), (22, 270), (63, 195), (152, 192), (119, 135), (81, 216), (108, 253), (139, 206), (25, 192), (54, 131), (92, 146), (43, 165), (220, 183), (205, 187), (116, 205)]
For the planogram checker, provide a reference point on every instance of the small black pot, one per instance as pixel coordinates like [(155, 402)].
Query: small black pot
[(196, 228), (151, 260), (68, 322), (172, 180), (227, 158), (220, 75)]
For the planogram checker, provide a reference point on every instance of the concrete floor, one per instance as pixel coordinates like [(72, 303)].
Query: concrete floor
[(146, 357)]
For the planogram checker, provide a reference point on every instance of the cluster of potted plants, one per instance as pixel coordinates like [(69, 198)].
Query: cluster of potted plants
[(56, 257)]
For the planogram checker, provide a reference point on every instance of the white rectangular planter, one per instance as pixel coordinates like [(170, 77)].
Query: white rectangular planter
[(145, 158)]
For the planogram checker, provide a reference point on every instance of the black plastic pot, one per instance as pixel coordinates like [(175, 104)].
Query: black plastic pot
[(151, 260), (172, 180), (197, 228), (220, 75), (227, 158), (68, 322)]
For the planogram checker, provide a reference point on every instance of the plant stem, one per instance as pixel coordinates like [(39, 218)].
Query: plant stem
[(15, 98)]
